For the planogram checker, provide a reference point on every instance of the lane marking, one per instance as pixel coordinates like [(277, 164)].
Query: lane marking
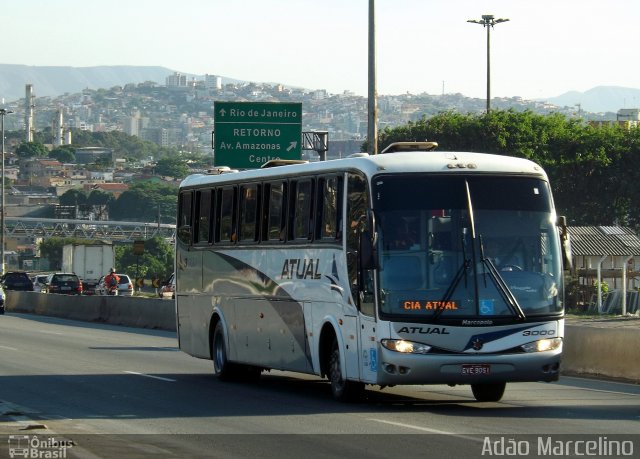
[(9, 348), (606, 391), (600, 390), (426, 429), (150, 376)]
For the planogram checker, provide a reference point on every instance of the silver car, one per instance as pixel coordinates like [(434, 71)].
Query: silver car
[(40, 283)]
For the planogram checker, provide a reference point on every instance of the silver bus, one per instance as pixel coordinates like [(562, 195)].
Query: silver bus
[(408, 267)]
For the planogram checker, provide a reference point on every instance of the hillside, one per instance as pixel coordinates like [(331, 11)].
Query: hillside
[(600, 99), (54, 81)]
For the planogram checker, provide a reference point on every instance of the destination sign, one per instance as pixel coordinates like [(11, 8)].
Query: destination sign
[(248, 134)]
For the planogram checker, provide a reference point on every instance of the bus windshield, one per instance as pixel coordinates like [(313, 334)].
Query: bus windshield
[(463, 246)]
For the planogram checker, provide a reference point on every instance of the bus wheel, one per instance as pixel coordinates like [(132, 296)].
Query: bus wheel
[(342, 389), (488, 392), (222, 368)]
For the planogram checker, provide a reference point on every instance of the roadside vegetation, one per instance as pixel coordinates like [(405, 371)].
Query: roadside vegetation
[(593, 170)]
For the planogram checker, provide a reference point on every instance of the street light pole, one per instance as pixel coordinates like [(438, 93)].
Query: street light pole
[(372, 93), (488, 22), (3, 112)]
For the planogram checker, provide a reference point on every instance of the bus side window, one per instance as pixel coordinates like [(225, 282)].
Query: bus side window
[(274, 209), (225, 224), (185, 218), (248, 220), (203, 217), (302, 205), (329, 208)]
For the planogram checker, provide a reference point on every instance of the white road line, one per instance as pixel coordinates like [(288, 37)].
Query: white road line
[(426, 429), (9, 348), (601, 390), (150, 376), (606, 391)]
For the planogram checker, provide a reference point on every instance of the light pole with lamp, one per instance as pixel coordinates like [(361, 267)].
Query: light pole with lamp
[(3, 112), (488, 22)]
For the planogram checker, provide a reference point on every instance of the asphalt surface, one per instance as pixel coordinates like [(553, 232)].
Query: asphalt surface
[(123, 392)]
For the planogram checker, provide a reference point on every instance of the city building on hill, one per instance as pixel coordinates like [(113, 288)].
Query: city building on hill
[(88, 155)]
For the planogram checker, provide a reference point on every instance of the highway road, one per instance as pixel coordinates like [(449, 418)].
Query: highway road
[(125, 392)]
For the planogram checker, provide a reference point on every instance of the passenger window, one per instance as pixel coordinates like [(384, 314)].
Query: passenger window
[(330, 205), (203, 215), (226, 224), (184, 218), (275, 219), (302, 210), (249, 213)]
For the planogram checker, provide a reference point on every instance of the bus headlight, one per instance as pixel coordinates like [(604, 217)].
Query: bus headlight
[(404, 346), (542, 345)]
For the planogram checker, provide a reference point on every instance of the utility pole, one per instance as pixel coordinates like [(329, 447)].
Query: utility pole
[(3, 113), (372, 126), (488, 22)]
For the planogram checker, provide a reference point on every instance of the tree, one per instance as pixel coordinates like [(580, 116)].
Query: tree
[(99, 198), (73, 197), (28, 150), (143, 201), (590, 169), (156, 262), (64, 154), (172, 167)]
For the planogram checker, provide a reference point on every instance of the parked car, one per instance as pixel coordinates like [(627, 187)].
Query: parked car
[(17, 280), (125, 286), (67, 283), (40, 283), (2, 296), (168, 288)]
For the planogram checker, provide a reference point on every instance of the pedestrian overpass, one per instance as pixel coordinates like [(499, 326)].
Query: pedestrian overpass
[(87, 229)]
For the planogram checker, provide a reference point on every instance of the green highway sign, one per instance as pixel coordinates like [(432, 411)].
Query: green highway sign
[(248, 134)]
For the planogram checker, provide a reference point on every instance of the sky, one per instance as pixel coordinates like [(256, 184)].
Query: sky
[(547, 47)]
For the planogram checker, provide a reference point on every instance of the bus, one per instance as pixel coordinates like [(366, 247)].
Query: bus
[(409, 267)]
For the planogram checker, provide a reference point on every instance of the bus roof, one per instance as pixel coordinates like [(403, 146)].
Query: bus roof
[(400, 162)]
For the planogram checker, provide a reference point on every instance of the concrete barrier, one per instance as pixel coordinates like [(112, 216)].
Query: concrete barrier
[(602, 348), (117, 310)]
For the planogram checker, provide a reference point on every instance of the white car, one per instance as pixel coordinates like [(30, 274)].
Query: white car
[(40, 283)]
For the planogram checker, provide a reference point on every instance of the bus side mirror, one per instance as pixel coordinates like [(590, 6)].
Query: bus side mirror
[(367, 251), (565, 243)]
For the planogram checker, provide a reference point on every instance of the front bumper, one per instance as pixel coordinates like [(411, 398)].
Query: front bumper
[(396, 368)]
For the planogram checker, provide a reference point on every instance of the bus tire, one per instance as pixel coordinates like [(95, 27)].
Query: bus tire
[(222, 368), (492, 392), (342, 389)]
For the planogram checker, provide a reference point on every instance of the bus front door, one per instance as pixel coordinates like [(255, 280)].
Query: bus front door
[(368, 349)]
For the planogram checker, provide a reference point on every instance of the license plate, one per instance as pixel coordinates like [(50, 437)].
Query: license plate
[(64, 289), (476, 369)]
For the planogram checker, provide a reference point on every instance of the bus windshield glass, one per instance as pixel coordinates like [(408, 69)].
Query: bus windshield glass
[(467, 247)]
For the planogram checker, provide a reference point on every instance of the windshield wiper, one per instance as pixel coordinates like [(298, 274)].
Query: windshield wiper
[(502, 286), (495, 276)]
